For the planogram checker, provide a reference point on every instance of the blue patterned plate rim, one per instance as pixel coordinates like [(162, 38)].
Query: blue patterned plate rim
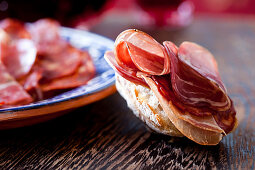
[(96, 45)]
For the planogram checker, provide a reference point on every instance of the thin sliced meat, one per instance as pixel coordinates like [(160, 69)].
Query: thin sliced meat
[(59, 64), (206, 122), (11, 92), (83, 74), (18, 56), (128, 74), (195, 78), (45, 34), (136, 50), (196, 83), (15, 29), (56, 57), (31, 81)]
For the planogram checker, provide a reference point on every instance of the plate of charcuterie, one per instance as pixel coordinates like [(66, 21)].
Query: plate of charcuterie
[(47, 70)]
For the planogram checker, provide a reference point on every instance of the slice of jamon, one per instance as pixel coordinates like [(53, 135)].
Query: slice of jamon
[(18, 56), (82, 75), (45, 34), (195, 77), (11, 92), (129, 74), (136, 50), (15, 29), (56, 57), (197, 83), (59, 64)]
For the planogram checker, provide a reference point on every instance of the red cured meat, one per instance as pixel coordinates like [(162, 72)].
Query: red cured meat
[(14, 28), (18, 56), (81, 76), (18, 52), (138, 51), (195, 78), (59, 64), (56, 57), (45, 34), (11, 92)]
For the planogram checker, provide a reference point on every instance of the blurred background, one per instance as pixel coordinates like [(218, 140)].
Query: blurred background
[(86, 14)]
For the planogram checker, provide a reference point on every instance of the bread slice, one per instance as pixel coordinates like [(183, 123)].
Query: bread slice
[(145, 106), (163, 117)]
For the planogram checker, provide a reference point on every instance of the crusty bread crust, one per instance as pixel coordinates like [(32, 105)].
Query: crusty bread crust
[(145, 105)]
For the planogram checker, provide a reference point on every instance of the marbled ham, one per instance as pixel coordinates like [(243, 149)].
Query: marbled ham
[(11, 93), (18, 56), (56, 57), (195, 78), (138, 51), (15, 29), (45, 34), (193, 86), (80, 77), (59, 64), (18, 52)]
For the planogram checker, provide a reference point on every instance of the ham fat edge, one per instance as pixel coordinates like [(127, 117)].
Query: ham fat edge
[(185, 80)]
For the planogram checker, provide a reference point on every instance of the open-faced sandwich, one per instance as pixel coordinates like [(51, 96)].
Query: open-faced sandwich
[(176, 91)]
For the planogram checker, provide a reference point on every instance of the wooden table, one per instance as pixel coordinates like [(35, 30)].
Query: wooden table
[(107, 135)]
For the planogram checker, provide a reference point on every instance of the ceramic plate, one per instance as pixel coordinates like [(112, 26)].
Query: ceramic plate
[(97, 88)]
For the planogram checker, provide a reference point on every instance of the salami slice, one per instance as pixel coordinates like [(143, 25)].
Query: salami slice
[(11, 93), (82, 75)]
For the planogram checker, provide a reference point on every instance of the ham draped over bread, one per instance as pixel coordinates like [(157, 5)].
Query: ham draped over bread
[(186, 77), (36, 63)]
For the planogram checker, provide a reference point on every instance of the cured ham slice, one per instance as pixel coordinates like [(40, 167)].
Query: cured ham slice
[(15, 28), (59, 64), (45, 34), (129, 74), (138, 51), (11, 93), (196, 82), (195, 78), (18, 52), (56, 57), (18, 56), (81, 76)]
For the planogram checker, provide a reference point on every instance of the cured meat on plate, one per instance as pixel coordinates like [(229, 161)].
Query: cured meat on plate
[(37, 60)]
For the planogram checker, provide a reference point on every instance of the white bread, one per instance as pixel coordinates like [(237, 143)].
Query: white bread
[(145, 106), (162, 116)]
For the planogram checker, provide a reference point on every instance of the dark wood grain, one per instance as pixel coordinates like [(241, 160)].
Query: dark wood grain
[(106, 135)]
